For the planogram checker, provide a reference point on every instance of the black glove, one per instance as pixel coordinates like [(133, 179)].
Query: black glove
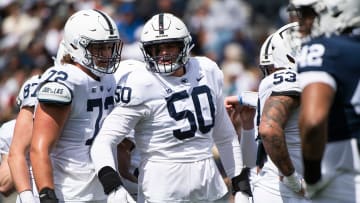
[(242, 183), (109, 179), (47, 195)]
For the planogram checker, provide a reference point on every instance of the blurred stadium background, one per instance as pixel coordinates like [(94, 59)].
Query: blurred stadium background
[(228, 31)]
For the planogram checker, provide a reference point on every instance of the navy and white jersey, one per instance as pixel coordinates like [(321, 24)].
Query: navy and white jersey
[(27, 93), (91, 101), (334, 61), (280, 83), (176, 119)]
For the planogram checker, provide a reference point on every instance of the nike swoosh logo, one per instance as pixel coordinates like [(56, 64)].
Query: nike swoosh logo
[(109, 89), (199, 78)]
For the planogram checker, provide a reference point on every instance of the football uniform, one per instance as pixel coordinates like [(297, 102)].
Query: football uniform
[(27, 97), (6, 134), (333, 61), (91, 100), (125, 68), (176, 121), (280, 83)]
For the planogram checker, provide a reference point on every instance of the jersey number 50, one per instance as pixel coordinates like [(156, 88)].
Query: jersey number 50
[(202, 92)]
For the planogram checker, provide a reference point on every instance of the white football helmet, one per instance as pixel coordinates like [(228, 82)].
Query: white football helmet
[(345, 14), (95, 30), (333, 16), (323, 23), (161, 29), (280, 49)]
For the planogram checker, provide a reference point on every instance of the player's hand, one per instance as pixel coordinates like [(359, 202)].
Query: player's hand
[(27, 197), (241, 197), (247, 115), (231, 102), (313, 189), (295, 183), (120, 195)]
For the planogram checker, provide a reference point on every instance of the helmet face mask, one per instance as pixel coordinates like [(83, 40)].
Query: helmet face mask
[(165, 43), (103, 57), (92, 40)]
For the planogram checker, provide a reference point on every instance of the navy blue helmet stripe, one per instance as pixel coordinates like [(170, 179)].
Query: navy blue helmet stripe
[(161, 23), (267, 48), (111, 29)]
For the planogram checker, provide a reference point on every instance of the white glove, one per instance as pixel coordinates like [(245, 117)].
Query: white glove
[(295, 183), (313, 189), (241, 197), (120, 195), (27, 197)]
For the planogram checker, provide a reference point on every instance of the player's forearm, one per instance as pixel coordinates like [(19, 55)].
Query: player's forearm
[(231, 157), (313, 140), (275, 147), (274, 142), (6, 182), (42, 169), (20, 170), (248, 147)]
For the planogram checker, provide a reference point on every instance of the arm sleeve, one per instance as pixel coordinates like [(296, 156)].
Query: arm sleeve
[(227, 142), (117, 125), (248, 147)]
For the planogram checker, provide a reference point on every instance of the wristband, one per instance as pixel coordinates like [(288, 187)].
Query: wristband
[(109, 179), (248, 98), (240, 100), (47, 195)]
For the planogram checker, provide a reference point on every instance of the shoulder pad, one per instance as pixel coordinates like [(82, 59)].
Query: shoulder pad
[(138, 87), (53, 92)]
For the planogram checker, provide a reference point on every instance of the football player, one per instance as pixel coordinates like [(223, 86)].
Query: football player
[(279, 176), (74, 98), (329, 116), (18, 156), (176, 108)]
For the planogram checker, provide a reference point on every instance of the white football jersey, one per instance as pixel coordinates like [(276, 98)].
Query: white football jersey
[(282, 82), (176, 119), (91, 101), (27, 93), (6, 135)]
